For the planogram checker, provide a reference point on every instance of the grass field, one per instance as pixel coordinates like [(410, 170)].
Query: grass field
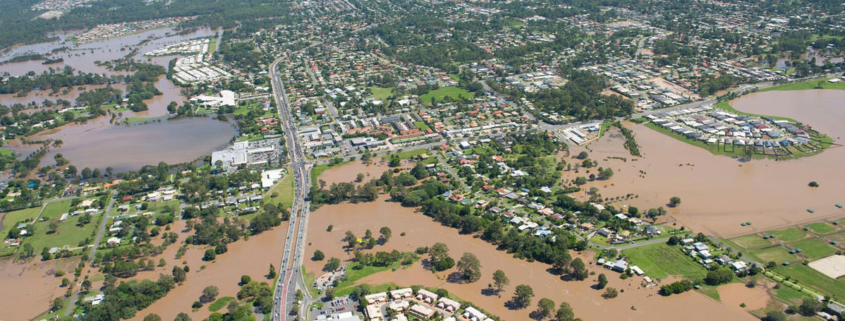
[(6, 152), (440, 93), (600, 240), (309, 282), (789, 294), (821, 228), (421, 125), (660, 261), (68, 234), (805, 85), (408, 154), (283, 190), (380, 93), (777, 254), (354, 274), (751, 242), (814, 249), (56, 209), (790, 234), (805, 275), (220, 303), (12, 218)]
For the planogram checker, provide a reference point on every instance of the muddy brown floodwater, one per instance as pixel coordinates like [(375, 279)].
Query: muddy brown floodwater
[(717, 192), (98, 144), (422, 231), (349, 172), (251, 257), (29, 288)]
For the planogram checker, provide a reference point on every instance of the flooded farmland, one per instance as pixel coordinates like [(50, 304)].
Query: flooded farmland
[(423, 231), (35, 286), (717, 192)]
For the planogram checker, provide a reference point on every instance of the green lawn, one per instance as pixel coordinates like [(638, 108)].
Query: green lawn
[(814, 249), (661, 260), (68, 234), (805, 275), (283, 190), (353, 274), (778, 254), (421, 125), (789, 294), (600, 240), (440, 93), (408, 154), (751, 242), (6, 152), (220, 303), (790, 234), (380, 93), (55, 210), (821, 228), (809, 84), (212, 45), (309, 282), (12, 218)]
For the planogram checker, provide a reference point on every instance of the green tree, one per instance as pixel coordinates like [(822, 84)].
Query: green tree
[(332, 265), (775, 316), (602, 281), (564, 313), (58, 304), (545, 307), (610, 293), (385, 233), (245, 279), (318, 255), (522, 296), (329, 293), (210, 255), (182, 317), (179, 274), (579, 269), (152, 317), (675, 201), (809, 307), (272, 273), (209, 294), (500, 280), (470, 267)]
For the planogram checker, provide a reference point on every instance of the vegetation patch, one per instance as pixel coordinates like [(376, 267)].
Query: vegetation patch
[(282, 193), (805, 275), (814, 248), (777, 254), (751, 242), (220, 303), (440, 94), (660, 261), (809, 84), (790, 234), (821, 228)]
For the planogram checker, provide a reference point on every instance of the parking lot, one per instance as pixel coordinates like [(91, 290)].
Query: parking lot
[(338, 305)]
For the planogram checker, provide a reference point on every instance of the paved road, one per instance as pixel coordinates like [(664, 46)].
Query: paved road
[(290, 271), (96, 245)]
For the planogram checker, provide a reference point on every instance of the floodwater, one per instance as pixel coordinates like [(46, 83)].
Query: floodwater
[(29, 288), (349, 172), (99, 144), (422, 231), (245, 257), (717, 192), (84, 57), (736, 294)]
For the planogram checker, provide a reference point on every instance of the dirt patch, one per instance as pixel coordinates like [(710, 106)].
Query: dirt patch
[(422, 231)]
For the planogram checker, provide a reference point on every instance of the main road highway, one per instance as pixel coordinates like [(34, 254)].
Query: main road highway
[(289, 272)]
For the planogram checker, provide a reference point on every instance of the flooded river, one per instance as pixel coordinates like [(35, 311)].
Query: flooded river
[(717, 192), (29, 288), (422, 231)]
